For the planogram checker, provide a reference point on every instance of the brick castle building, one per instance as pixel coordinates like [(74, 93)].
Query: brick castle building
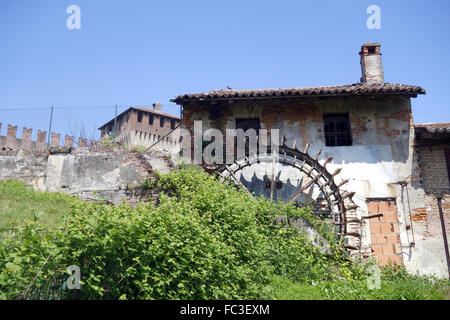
[(144, 127)]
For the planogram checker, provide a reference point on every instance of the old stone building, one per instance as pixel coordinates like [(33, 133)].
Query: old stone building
[(366, 131), (144, 127)]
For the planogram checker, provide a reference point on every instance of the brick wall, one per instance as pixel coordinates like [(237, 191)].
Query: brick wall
[(132, 132), (434, 176), (433, 165), (384, 232)]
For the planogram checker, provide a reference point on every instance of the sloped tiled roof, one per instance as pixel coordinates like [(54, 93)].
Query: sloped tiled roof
[(148, 110), (340, 90), (160, 113), (440, 127)]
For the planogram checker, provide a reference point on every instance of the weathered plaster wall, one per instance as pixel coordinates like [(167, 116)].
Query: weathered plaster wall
[(89, 174), (430, 180)]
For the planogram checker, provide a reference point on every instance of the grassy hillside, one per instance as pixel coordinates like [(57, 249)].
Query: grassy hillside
[(19, 203), (204, 240)]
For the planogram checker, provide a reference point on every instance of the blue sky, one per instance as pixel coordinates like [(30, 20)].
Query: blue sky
[(137, 52)]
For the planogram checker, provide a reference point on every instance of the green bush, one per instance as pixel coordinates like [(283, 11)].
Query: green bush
[(203, 239)]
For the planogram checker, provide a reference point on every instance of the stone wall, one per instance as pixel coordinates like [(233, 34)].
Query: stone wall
[(91, 173)]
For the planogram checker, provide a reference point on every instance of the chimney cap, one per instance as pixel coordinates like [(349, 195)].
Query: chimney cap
[(370, 48), (369, 44)]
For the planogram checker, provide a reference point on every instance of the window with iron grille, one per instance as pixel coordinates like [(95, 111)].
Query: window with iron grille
[(337, 129)]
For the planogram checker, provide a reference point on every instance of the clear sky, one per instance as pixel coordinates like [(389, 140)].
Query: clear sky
[(138, 52)]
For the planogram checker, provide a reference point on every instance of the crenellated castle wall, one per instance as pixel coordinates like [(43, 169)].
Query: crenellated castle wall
[(10, 143)]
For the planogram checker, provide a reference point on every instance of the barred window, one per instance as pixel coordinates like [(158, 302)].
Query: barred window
[(337, 129)]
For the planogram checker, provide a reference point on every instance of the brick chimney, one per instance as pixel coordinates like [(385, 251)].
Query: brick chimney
[(371, 67), (157, 106)]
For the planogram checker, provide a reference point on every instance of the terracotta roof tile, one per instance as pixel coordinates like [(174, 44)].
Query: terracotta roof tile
[(440, 127), (148, 110), (341, 90)]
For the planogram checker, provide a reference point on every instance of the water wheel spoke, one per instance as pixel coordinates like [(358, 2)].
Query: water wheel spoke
[(306, 186), (237, 180), (272, 180)]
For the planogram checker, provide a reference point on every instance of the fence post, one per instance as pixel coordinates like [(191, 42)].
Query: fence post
[(115, 125)]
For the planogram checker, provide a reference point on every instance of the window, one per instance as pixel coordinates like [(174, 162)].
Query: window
[(173, 124), (246, 124), (337, 129), (139, 118), (150, 119), (161, 122)]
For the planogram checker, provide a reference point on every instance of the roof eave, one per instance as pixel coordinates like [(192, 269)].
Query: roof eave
[(183, 100)]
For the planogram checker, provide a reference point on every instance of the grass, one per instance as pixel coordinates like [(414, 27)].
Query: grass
[(397, 287), (18, 203)]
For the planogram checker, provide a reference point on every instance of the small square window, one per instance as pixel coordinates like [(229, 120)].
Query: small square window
[(246, 124), (337, 129)]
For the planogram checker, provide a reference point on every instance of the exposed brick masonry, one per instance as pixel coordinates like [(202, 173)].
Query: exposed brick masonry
[(384, 232)]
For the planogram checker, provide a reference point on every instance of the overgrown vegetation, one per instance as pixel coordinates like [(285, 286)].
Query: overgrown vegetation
[(108, 141), (203, 240)]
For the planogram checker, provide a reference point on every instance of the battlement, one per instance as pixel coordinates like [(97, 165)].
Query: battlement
[(10, 142)]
